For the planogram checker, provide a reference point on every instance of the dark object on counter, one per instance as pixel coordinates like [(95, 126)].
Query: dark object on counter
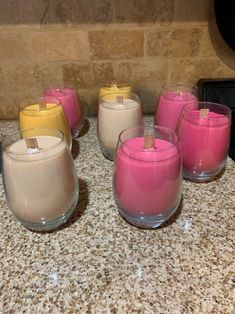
[(221, 91), (224, 16)]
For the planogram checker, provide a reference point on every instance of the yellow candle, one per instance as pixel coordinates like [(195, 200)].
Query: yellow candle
[(113, 89), (45, 115)]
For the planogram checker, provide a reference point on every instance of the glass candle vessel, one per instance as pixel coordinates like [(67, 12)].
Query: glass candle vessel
[(45, 114), (148, 175), (204, 135), (71, 104), (116, 113), (40, 181), (171, 102), (114, 88)]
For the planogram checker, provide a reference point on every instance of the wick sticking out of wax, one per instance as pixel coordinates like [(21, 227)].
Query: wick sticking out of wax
[(114, 83), (204, 113), (42, 105), (119, 100), (32, 145), (149, 141)]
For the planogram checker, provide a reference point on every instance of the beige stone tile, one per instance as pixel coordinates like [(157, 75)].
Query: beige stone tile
[(87, 75), (26, 80), (191, 70), (174, 42), (207, 48), (59, 45), (116, 44), (146, 78), (14, 45), (9, 12), (192, 10), (78, 12), (148, 11)]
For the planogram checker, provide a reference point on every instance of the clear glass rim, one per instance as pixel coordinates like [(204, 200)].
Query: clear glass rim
[(48, 92), (179, 84), (148, 126), (207, 105), (6, 138), (118, 85), (55, 103)]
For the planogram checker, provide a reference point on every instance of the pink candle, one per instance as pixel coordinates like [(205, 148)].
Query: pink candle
[(147, 182), (204, 142), (171, 103), (71, 104)]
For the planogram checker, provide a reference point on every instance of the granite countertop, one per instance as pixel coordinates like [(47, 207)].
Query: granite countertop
[(98, 263)]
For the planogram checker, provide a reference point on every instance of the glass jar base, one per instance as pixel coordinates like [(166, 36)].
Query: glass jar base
[(52, 224), (76, 131), (108, 153), (148, 221), (203, 176)]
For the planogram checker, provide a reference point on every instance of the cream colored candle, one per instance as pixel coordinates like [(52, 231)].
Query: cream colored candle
[(40, 183), (114, 116)]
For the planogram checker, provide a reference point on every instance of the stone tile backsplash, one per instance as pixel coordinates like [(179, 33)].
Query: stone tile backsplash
[(84, 44)]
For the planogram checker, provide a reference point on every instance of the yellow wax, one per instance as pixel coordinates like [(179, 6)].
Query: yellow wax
[(111, 91), (52, 116)]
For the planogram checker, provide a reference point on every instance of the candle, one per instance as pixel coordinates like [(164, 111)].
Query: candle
[(39, 179), (114, 88), (71, 104), (204, 137), (45, 115), (147, 182), (172, 100), (115, 115)]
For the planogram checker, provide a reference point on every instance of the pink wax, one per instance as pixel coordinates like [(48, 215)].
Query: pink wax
[(171, 106), (147, 181), (71, 104), (204, 141)]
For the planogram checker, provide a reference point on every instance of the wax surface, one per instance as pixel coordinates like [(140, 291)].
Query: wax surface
[(171, 106), (113, 118), (147, 182), (204, 141), (41, 186), (52, 117), (110, 91), (70, 103)]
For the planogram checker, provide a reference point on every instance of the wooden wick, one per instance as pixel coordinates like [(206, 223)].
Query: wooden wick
[(114, 83), (32, 144), (42, 105), (149, 141), (119, 100), (204, 113)]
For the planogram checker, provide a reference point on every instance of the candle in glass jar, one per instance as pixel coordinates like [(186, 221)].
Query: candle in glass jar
[(40, 183), (204, 140), (114, 116), (49, 115), (147, 181), (71, 104), (172, 100), (113, 89)]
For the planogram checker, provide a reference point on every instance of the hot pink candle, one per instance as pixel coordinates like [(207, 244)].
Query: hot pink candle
[(71, 104), (171, 106), (172, 100), (204, 142), (147, 182)]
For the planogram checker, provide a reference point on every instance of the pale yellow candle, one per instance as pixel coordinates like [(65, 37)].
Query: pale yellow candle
[(113, 89), (45, 115)]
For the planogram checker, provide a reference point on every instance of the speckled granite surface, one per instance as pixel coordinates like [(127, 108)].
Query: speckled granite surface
[(98, 263)]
